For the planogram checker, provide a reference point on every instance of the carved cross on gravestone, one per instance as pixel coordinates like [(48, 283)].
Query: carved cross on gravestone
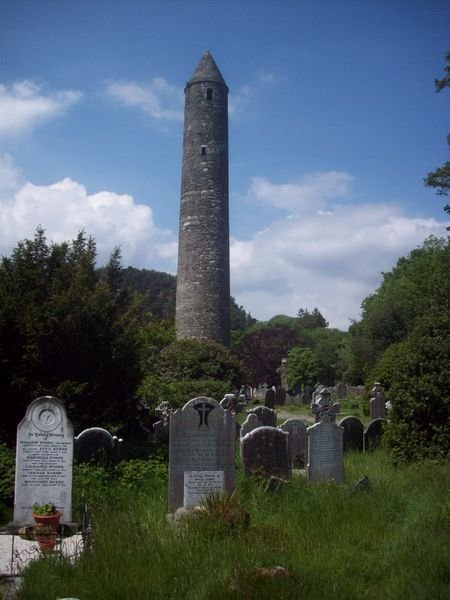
[(323, 409)]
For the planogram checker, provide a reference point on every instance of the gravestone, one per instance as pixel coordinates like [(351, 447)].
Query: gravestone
[(269, 400), (306, 397), (280, 396), (297, 441), (322, 405), (250, 423), (228, 401), (317, 390), (377, 406), (264, 451), (161, 429), (373, 434), (325, 444), (267, 416), (341, 391), (353, 433), (44, 458), (97, 446), (283, 372), (201, 452)]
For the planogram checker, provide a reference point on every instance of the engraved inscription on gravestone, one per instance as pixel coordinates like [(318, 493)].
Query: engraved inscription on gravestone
[(198, 484), (202, 440), (44, 457)]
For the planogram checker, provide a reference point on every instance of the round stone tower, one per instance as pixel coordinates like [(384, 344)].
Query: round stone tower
[(203, 280)]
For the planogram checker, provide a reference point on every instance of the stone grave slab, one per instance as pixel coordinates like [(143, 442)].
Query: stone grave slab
[(280, 396), (97, 446), (201, 452), (377, 403), (250, 423), (297, 441), (266, 416), (269, 400), (265, 451), (373, 434), (325, 452), (44, 460), (353, 433)]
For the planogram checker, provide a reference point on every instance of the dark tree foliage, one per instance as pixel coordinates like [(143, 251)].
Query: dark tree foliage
[(416, 377), (188, 368), (66, 332), (440, 178), (326, 346), (157, 288), (390, 314), (310, 320), (261, 352), (240, 320)]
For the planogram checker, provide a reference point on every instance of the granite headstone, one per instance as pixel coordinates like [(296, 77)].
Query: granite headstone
[(201, 452), (264, 451), (353, 433)]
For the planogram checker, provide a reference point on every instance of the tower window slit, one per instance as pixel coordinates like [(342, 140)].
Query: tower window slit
[(209, 94), (203, 150)]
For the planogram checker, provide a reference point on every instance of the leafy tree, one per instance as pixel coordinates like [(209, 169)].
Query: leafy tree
[(389, 315), (188, 368), (261, 352), (310, 320), (326, 346), (416, 378), (302, 367), (440, 178), (66, 332)]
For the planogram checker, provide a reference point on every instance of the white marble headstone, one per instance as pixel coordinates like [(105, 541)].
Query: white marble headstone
[(44, 459)]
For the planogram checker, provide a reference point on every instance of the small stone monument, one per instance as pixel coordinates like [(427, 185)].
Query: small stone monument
[(269, 399), (341, 390), (353, 433), (97, 446), (44, 458), (325, 443), (297, 441), (377, 405), (280, 396), (201, 452), (266, 416), (250, 423), (264, 451), (283, 372), (373, 434), (322, 404)]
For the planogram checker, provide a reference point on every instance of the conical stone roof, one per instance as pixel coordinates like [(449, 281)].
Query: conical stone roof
[(207, 70)]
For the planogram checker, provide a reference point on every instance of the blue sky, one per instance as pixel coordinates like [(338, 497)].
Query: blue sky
[(334, 122)]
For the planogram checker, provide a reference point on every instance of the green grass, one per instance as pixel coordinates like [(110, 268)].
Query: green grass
[(390, 542)]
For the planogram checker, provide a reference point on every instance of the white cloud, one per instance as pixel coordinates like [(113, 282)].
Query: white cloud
[(309, 193), (159, 99), (64, 208), (243, 97), (330, 258), (23, 105)]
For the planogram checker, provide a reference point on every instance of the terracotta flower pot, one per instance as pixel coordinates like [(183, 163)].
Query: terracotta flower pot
[(48, 520), (46, 541)]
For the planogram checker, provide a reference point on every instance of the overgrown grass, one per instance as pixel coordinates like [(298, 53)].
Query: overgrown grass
[(389, 542)]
